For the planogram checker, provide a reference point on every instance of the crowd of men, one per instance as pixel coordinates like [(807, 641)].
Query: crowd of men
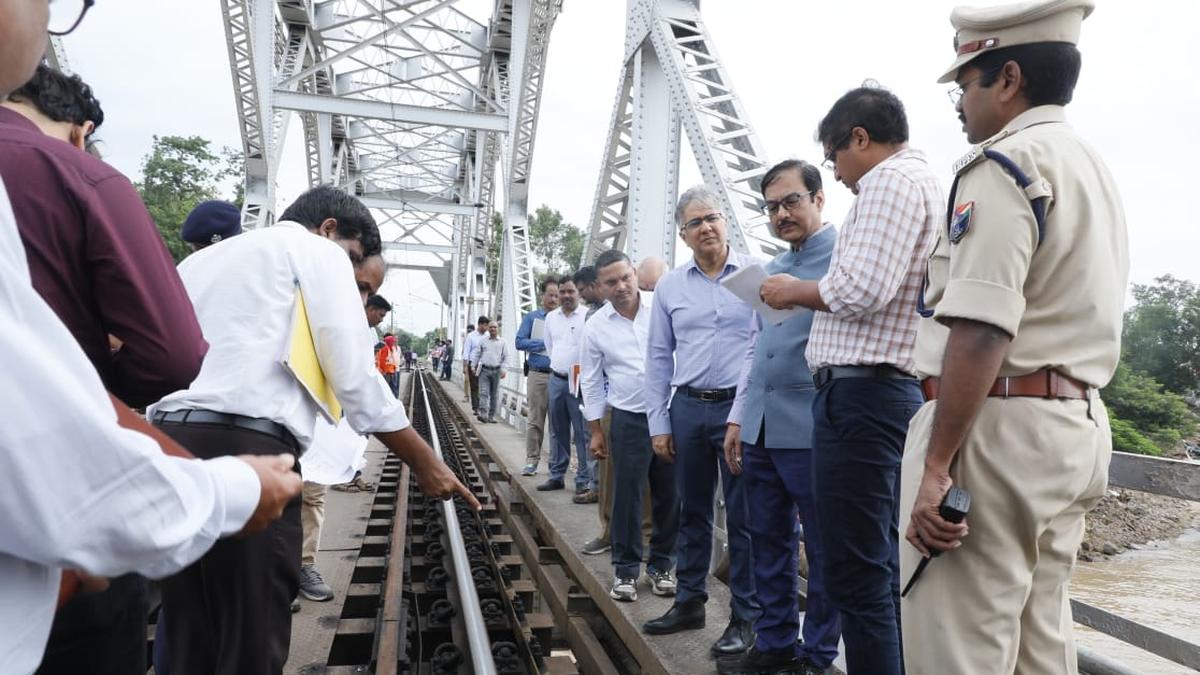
[(930, 342)]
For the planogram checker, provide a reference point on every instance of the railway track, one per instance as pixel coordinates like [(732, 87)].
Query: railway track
[(438, 588)]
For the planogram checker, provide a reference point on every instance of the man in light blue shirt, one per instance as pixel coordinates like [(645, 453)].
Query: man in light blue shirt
[(537, 383), (769, 441), (698, 334), (470, 350)]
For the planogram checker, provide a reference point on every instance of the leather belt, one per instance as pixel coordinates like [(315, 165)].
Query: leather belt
[(211, 418), (1044, 383), (709, 395), (489, 367), (558, 375), (883, 371), (540, 370)]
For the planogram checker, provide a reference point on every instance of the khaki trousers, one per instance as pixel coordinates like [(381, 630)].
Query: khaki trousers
[(537, 397), (312, 516), (998, 604)]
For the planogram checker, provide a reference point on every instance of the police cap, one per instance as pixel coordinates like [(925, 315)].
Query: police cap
[(211, 222), (980, 29)]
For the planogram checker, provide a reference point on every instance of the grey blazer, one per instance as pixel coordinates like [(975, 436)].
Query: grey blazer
[(779, 391)]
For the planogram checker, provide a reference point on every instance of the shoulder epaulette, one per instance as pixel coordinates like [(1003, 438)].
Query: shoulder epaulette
[(976, 152)]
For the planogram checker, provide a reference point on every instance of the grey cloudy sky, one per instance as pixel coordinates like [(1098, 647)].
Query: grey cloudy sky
[(162, 68)]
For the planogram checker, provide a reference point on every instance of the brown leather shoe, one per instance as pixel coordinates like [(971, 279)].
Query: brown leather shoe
[(586, 497)]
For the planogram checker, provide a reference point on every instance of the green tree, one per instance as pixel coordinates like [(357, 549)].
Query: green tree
[(1162, 333), (1146, 412), (554, 241), (179, 173), (495, 246)]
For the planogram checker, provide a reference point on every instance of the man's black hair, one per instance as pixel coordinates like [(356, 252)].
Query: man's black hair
[(546, 281), (61, 97), (584, 276), (379, 302), (1049, 70), (875, 109), (809, 173), (610, 257), (354, 220), (483, 319)]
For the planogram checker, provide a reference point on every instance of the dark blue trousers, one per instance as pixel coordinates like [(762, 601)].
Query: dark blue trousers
[(778, 489), (698, 428), (858, 440), (635, 465), (565, 416)]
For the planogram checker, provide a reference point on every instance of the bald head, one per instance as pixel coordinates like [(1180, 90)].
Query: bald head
[(649, 271)]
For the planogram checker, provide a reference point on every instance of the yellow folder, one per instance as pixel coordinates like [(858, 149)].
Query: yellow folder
[(301, 361)]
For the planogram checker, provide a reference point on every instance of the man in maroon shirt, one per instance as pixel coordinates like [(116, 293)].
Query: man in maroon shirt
[(97, 259)]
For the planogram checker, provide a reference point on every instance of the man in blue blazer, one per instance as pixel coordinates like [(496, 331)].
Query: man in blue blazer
[(769, 440)]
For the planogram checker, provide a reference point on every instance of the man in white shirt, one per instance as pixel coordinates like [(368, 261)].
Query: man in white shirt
[(113, 503), (612, 373), (229, 613), (491, 360), (563, 331), (470, 379)]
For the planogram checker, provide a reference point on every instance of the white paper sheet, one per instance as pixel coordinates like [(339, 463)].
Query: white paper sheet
[(746, 284)]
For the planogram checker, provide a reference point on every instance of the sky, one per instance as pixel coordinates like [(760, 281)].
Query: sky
[(162, 68)]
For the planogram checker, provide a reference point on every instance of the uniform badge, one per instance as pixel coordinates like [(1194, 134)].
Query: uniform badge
[(961, 222)]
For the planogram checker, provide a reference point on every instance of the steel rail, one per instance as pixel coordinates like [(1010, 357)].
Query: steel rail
[(477, 637)]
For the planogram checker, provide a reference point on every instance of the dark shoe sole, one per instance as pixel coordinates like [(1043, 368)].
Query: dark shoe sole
[(316, 598), (691, 625)]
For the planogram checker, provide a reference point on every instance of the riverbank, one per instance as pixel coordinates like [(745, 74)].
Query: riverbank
[(1127, 519)]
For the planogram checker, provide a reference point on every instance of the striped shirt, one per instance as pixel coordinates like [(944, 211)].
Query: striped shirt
[(878, 268)]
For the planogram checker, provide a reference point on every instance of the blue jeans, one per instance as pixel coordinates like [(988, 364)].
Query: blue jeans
[(634, 463), (778, 489), (698, 428), (566, 415), (858, 439)]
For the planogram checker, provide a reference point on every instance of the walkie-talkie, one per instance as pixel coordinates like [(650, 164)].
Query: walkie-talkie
[(954, 509)]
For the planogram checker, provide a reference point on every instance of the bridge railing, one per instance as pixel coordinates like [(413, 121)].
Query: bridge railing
[(1154, 475)]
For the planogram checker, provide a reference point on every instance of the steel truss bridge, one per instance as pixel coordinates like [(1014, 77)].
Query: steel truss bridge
[(427, 110)]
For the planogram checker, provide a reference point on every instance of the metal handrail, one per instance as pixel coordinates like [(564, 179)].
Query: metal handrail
[(477, 637)]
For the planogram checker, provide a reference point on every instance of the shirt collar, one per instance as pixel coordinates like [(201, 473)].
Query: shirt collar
[(906, 153), (10, 116), (1037, 115), (732, 259), (800, 247)]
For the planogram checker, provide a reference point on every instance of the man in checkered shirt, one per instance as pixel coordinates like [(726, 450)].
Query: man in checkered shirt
[(861, 354)]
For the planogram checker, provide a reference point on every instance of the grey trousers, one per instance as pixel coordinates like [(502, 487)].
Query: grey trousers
[(538, 397), (489, 392)]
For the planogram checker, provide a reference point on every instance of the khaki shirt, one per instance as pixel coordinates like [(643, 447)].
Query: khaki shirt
[(1062, 300)]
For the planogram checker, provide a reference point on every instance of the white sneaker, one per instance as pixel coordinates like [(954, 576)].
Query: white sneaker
[(661, 583), (624, 590)]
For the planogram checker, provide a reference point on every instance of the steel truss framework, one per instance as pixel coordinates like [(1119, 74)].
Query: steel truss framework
[(414, 106), (672, 77)]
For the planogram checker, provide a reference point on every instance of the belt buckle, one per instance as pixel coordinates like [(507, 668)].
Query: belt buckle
[(708, 396)]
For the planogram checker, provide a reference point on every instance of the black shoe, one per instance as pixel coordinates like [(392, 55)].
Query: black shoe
[(754, 662), (737, 638), (807, 667), (552, 484), (687, 615)]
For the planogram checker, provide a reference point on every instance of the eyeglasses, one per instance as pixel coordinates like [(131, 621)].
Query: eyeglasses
[(956, 93), (66, 15), (694, 224), (789, 202), (830, 162)]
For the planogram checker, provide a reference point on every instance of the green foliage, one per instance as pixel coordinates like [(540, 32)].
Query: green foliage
[(1159, 417), (1128, 439), (1162, 333), (495, 245), (179, 173), (557, 243)]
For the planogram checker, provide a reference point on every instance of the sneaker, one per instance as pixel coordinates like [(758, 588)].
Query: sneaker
[(661, 583), (295, 604), (596, 547), (588, 496), (529, 470), (312, 586), (624, 590)]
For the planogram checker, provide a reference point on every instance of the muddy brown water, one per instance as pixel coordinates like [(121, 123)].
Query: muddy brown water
[(1158, 586)]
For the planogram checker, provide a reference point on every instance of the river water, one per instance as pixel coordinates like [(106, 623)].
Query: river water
[(1158, 586)]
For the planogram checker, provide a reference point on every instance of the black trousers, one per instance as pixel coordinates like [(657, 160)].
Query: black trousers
[(229, 613), (102, 633)]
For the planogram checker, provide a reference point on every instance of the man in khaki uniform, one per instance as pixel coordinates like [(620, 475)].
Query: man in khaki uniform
[(1023, 325)]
